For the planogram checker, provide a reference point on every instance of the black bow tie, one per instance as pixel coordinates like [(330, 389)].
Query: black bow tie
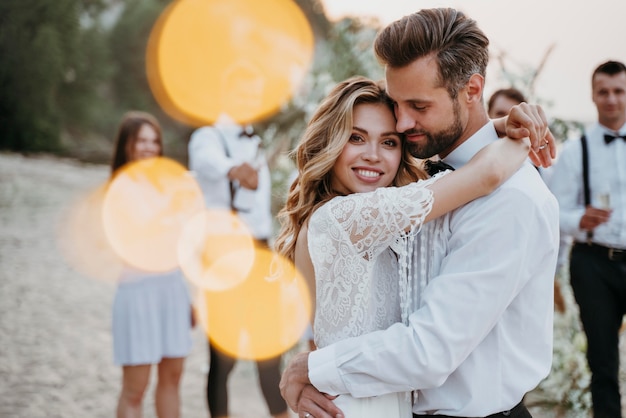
[(247, 132), (609, 138), (433, 167)]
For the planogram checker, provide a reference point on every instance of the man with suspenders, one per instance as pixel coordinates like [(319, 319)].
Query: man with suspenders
[(589, 181)]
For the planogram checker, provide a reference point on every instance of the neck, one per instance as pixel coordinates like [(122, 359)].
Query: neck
[(475, 122), (614, 124)]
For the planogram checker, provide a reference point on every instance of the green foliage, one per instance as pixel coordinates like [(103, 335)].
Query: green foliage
[(34, 36), (128, 41), (564, 129), (129, 83), (83, 92)]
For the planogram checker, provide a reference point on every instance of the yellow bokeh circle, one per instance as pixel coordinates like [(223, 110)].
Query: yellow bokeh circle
[(216, 250), (238, 58), (82, 241), (262, 317), (145, 208)]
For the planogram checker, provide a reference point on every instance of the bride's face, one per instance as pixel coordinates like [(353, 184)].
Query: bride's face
[(371, 157)]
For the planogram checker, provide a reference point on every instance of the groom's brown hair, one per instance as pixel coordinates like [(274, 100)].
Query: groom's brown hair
[(460, 47)]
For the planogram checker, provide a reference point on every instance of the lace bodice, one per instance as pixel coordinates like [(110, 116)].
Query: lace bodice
[(358, 246)]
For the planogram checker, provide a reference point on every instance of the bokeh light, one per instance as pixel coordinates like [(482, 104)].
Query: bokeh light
[(262, 317), (216, 250), (82, 241), (145, 208), (239, 58)]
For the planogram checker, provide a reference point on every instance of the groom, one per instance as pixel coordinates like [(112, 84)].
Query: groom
[(482, 335)]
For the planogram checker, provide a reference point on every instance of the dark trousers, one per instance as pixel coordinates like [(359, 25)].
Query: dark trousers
[(221, 366), (519, 411), (599, 286)]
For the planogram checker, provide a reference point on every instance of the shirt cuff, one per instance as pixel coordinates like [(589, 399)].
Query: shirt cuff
[(570, 222), (324, 373)]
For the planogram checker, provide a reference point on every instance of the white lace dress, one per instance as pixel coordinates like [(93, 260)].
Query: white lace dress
[(359, 249)]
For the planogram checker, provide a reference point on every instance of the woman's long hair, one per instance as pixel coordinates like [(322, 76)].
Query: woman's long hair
[(323, 141)]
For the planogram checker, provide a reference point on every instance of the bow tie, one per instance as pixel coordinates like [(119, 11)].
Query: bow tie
[(609, 138), (433, 167), (247, 132)]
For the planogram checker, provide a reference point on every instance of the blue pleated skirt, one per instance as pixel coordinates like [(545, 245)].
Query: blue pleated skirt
[(151, 318)]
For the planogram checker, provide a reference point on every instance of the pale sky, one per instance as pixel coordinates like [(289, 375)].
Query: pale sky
[(584, 34)]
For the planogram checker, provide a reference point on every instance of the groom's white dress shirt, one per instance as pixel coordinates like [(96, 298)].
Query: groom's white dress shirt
[(482, 336)]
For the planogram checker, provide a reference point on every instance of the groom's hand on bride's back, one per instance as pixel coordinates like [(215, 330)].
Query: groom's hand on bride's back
[(301, 396)]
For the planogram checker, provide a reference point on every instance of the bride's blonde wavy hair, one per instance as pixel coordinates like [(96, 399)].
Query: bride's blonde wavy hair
[(323, 141)]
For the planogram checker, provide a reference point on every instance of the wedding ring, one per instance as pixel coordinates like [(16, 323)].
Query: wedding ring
[(542, 147), (307, 415)]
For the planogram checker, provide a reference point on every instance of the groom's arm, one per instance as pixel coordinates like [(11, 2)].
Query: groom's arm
[(301, 395)]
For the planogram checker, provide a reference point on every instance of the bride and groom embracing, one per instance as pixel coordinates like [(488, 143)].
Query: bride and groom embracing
[(433, 296)]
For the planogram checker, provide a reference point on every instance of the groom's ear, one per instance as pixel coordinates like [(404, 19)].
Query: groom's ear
[(474, 89)]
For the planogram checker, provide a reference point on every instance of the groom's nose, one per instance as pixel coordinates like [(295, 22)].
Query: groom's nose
[(404, 121)]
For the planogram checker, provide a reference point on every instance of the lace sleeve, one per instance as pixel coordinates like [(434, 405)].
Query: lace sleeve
[(361, 284), (373, 221)]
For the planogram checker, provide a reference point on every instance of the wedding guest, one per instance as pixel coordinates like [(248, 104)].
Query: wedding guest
[(152, 312), (501, 102), (480, 333), (233, 174), (589, 182)]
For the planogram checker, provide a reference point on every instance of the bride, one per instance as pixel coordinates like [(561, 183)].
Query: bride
[(348, 232)]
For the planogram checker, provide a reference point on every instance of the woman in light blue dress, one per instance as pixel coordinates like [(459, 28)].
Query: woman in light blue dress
[(152, 313)]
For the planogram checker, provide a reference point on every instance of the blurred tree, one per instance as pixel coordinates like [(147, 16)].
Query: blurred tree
[(129, 83), (128, 41), (34, 35), (84, 95), (50, 67)]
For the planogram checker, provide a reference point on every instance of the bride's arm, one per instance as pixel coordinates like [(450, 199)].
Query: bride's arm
[(374, 220), (486, 171)]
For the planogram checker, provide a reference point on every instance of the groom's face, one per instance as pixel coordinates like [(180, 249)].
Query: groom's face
[(432, 121)]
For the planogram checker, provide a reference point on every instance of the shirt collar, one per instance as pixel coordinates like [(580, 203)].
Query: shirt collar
[(464, 152), (620, 132)]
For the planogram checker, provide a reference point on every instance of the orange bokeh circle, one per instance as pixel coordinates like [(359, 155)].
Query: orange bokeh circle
[(262, 317), (216, 250), (82, 241), (238, 58), (145, 208)]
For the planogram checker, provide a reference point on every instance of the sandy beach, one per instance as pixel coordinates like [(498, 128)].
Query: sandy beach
[(56, 359), (56, 350)]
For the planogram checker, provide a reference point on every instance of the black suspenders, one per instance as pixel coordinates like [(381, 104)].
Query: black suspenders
[(586, 191)]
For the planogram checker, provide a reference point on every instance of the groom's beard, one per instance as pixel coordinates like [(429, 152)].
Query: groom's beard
[(437, 142)]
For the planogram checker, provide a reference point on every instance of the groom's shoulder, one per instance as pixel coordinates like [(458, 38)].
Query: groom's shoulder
[(527, 185)]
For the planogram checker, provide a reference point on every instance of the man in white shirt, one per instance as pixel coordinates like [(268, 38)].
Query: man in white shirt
[(233, 175), (481, 337), (598, 225)]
